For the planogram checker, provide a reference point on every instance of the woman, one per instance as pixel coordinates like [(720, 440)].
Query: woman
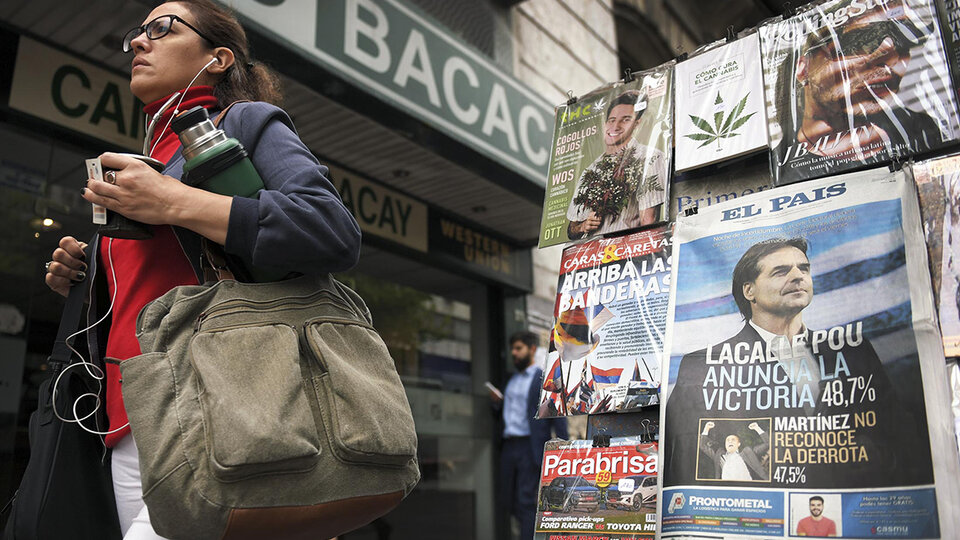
[(297, 224)]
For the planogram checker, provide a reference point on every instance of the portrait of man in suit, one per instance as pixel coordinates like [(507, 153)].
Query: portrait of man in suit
[(783, 371)]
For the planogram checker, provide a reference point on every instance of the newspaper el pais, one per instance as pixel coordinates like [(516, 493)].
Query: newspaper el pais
[(806, 388)]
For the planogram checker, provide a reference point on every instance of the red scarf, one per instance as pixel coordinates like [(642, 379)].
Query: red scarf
[(165, 141)]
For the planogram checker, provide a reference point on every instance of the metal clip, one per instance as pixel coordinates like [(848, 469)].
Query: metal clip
[(731, 35), (692, 211), (601, 441), (628, 76), (571, 98)]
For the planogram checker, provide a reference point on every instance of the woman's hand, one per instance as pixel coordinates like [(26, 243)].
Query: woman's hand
[(142, 194), (66, 266), (139, 193)]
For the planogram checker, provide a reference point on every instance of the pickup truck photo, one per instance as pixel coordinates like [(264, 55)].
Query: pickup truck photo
[(566, 493)]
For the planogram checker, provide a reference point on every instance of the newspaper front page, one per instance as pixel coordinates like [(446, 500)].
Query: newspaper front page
[(806, 387)]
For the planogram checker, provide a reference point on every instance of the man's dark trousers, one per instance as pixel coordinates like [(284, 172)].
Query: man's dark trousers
[(519, 480)]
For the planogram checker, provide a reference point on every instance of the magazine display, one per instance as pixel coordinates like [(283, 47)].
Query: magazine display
[(719, 104), (850, 83), (609, 321), (598, 493), (949, 11), (938, 183), (806, 388), (610, 166)]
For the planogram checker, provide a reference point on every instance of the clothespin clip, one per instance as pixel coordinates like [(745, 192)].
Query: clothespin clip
[(601, 441), (788, 10), (731, 35), (692, 211), (628, 76), (571, 99)]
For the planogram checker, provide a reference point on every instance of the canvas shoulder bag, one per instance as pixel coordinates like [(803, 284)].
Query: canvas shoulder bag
[(267, 410)]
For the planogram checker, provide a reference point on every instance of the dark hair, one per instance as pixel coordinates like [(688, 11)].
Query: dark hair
[(630, 97), (245, 79), (526, 337), (748, 267), (816, 498)]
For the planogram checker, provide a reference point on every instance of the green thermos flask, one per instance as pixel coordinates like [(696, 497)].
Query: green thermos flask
[(220, 164)]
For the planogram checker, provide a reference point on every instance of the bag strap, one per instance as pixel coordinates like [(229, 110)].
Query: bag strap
[(70, 320), (223, 113)]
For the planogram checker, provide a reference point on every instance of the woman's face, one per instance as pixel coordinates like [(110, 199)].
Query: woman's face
[(166, 65)]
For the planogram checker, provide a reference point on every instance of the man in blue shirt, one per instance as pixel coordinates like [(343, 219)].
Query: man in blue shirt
[(523, 436)]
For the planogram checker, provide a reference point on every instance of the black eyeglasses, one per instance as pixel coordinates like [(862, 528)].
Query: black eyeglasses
[(156, 29)]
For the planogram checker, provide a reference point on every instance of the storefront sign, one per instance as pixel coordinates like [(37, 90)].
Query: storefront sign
[(381, 211), (67, 91), (397, 54), (483, 253)]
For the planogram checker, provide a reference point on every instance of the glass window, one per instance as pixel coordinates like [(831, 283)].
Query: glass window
[(434, 324)]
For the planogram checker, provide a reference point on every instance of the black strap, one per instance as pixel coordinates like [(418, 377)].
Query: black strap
[(70, 320)]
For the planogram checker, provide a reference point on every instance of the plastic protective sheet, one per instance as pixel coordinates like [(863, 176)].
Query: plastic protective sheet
[(719, 104), (938, 184), (607, 493), (610, 166), (806, 387), (609, 320), (851, 83)]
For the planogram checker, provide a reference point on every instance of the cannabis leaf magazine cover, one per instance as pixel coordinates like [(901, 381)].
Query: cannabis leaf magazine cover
[(719, 105)]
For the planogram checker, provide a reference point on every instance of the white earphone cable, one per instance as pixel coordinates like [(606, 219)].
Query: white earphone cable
[(92, 369), (176, 109)]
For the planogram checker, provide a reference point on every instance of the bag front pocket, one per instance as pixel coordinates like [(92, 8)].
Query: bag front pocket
[(257, 417), (363, 404)]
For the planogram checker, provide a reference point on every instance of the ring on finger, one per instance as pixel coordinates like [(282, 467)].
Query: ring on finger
[(46, 266), (110, 177)]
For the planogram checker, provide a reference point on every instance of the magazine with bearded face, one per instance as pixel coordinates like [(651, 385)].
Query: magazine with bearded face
[(610, 165), (851, 83)]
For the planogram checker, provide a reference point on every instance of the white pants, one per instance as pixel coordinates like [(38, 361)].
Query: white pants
[(134, 520)]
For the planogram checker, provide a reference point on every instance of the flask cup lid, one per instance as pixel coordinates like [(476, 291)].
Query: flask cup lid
[(188, 119)]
